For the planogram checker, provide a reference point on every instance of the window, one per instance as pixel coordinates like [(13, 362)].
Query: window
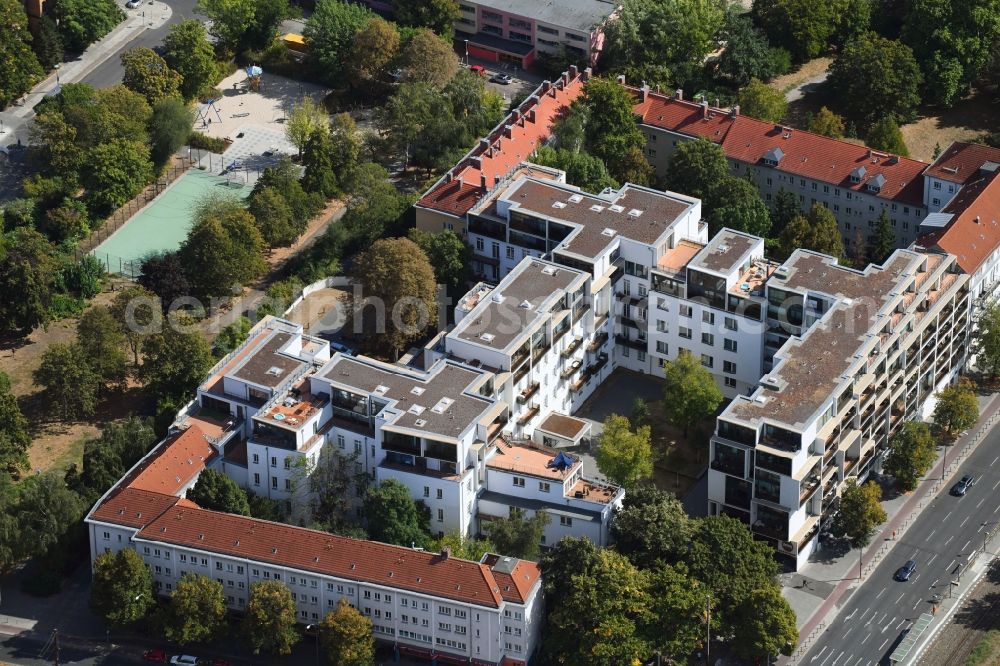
[(518, 482), (707, 360), (662, 348), (565, 521), (510, 252), (730, 324), (729, 345), (937, 185), (274, 482), (707, 339), (578, 38), (440, 515), (730, 382), (440, 494), (288, 484), (256, 479), (685, 310), (684, 332), (427, 491), (661, 327), (274, 461), (340, 441), (543, 486), (641, 355), (547, 30), (480, 245), (708, 318), (729, 367), (288, 463), (256, 459), (107, 536)]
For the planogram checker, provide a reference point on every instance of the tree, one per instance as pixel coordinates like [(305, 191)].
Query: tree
[(696, 168), (736, 203), (373, 49), (876, 77), (640, 413), (957, 408), (911, 453), (462, 546), (273, 216), (334, 483), (121, 590), (284, 178), (306, 119), (231, 19), (393, 516), (231, 337), (767, 625), (148, 74), (345, 146), (438, 15), (267, 18), (759, 100), (827, 123), (66, 221), (986, 340), (223, 251), (174, 364), (675, 623), (885, 239), (397, 272), (449, 255), (20, 70), (269, 622), (118, 171), (611, 130), (196, 611), (217, 492), (860, 512), (517, 535), (885, 135), (187, 51), (82, 22), (651, 527), (329, 34), (952, 40), (162, 276), (582, 169), (14, 437), (346, 636), (170, 128), (26, 275), (623, 455), (689, 392), (319, 176), (817, 231), (747, 54), (107, 458), (429, 59), (68, 380), (804, 28), (47, 43), (102, 344)]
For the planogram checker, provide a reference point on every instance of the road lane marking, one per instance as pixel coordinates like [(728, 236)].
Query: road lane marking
[(996, 508), (882, 647), (950, 538), (931, 560), (916, 604), (880, 593), (853, 613), (995, 485), (834, 663), (946, 517), (867, 636), (884, 615), (901, 623), (995, 461), (966, 544), (827, 657), (980, 502), (865, 613), (825, 648), (845, 635), (964, 522), (900, 597), (931, 534), (936, 579), (948, 568)]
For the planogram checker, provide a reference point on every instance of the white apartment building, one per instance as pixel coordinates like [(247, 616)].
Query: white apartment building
[(867, 350)]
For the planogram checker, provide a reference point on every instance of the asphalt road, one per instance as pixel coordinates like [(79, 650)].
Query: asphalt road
[(872, 621), (110, 71)]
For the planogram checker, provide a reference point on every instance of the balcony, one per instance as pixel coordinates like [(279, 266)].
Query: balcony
[(633, 344), (808, 486), (525, 418), (598, 342), (573, 345), (520, 373), (596, 367), (772, 530), (571, 370), (538, 352), (525, 395), (579, 311), (578, 385)]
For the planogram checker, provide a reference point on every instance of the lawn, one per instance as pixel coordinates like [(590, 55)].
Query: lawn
[(987, 651)]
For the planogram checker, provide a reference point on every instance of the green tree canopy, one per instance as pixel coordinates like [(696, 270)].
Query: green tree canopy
[(398, 272), (957, 408), (827, 123), (885, 135), (187, 51), (217, 492), (582, 169), (912, 450), (26, 280), (624, 455), (518, 535), (374, 48), (269, 620), (346, 637), (438, 15), (759, 100), (885, 239), (102, 343), (690, 393), (612, 134), (274, 217), (986, 340), (68, 380), (223, 250), (163, 277), (427, 58), (449, 255), (329, 34), (816, 231), (393, 516), (231, 337), (82, 22), (306, 119), (651, 527), (319, 176), (876, 77), (767, 624), (47, 43), (121, 590), (14, 437), (169, 128), (174, 364), (20, 69), (149, 75), (748, 55), (736, 203), (118, 171), (244, 24), (196, 612), (860, 512), (106, 458), (803, 27), (696, 168)]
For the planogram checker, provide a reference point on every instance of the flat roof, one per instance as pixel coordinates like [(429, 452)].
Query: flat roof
[(726, 251), (511, 308), (562, 425), (267, 366), (438, 399), (530, 460), (634, 212), (582, 15)]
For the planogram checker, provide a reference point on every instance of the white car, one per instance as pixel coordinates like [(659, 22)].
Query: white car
[(133, 4), (184, 660)]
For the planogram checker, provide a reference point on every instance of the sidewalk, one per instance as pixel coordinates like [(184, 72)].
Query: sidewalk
[(814, 592)]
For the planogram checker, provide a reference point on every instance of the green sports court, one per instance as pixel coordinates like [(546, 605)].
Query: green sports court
[(164, 223)]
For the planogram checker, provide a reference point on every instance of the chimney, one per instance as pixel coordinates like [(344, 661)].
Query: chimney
[(484, 145), (483, 182), (735, 111), (716, 105), (587, 73), (704, 108), (445, 553), (545, 86), (978, 220), (531, 114), (621, 79), (643, 92), (516, 115), (448, 177), (565, 78), (679, 94), (574, 71), (508, 132)]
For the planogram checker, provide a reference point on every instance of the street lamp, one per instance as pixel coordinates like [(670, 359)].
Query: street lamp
[(315, 627), (466, 52)]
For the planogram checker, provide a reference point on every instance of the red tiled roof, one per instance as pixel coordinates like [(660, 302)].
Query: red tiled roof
[(323, 553), (515, 586), (961, 161), (805, 154), (974, 231), (133, 508), (508, 145), (176, 463)]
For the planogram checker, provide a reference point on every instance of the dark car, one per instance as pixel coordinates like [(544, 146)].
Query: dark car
[(213, 661), (154, 655), (502, 79), (904, 572), (959, 489)]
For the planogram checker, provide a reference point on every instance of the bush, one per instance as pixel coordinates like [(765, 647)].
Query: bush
[(781, 61), (209, 143)]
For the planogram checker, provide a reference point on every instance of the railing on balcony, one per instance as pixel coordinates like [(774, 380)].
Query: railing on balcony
[(538, 352), (598, 342), (571, 369), (520, 373), (573, 345), (808, 486), (525, 418), (525, 395), (628, 342)]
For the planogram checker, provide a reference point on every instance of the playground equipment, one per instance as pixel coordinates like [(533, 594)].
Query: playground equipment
[(253, 77), (208, 112)]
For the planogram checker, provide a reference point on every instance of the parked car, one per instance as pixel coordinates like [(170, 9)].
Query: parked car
[(184, 660), (478, 69), (133, 4), (501, 78), (904, 572), (959, 489), (213, 661), (158, 656)]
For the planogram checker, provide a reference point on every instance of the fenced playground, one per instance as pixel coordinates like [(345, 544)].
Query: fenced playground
[(163, 223)]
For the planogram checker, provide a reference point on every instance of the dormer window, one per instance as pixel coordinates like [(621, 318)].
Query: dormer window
[(858, 174), (773, 157), (875, 183)]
